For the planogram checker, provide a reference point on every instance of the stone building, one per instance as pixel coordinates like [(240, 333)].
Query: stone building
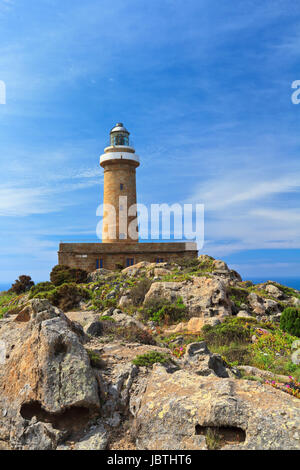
[(120, 244)]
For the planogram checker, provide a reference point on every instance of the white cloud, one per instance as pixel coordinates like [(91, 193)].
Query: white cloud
[(248, 209)]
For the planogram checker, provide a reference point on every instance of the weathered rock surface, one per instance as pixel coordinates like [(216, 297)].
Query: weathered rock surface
[(98, 275), (203, 296), (95, 439), (194, 325), (202, 362), (46, 383), (176, 410), (137, 269)]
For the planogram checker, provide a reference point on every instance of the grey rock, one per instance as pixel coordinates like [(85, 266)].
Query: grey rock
[(55, 379), (95, 439), (177, 408), (244, 314), (199, 358), (296, 344), (195, 349), (204, 297), (94, 328), (295, 357)]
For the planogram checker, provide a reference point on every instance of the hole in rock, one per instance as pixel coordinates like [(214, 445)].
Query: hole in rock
[(60, 348), (220, 436), (70, 419)]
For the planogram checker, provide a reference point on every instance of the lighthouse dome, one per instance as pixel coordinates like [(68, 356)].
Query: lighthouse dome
[(119, 127), (119, 135)]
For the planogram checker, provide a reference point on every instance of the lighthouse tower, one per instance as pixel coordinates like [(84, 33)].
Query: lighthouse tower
[(120, 245), (119, 162)]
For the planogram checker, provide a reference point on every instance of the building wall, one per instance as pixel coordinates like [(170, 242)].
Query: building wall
[(115, 174), (85, 255)]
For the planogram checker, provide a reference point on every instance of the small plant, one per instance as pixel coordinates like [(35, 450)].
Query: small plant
[(107, 318), (22, 285), (163, 311), (147, 360), (7, 300), (119, 267), (95, 359), (292, 387), (213, 440), (188, 264), (238, 295), (290, 321), (179, 351)]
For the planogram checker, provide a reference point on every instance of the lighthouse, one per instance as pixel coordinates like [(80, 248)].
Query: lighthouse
[(120, 247), (119, 162)]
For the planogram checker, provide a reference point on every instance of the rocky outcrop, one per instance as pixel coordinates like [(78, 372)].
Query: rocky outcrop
[(137, 269), (99, 275), (203, 296), (177, 409), (201, 361), (47, 386), (221, 271)]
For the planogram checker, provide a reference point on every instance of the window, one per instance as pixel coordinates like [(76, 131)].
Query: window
[(122, 236), (159, 260), (129, 262), (121, 186), (121, 140), (99, 263)]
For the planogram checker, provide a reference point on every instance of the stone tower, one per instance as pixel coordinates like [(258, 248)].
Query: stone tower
[(119, 162)]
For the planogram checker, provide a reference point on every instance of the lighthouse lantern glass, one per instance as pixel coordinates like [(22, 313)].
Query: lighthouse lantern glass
[(120, 138)]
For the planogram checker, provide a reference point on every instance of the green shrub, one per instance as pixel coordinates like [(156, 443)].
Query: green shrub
[(188, 264), (226, 333), (235, 354), (7, 302), (130, 334), (119, 267), (40, 288), (161, 310), (22, 285), (103, 304), (238, 295), (66, 296), (107, 318), (139, 291), (290, 321), (289, 291), (61, 274), (134, 334), (147, 360), (272, 351)]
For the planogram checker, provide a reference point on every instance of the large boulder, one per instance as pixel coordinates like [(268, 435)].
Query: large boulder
[(256, 303), (203, 296), (178, 409), (137, 269), (47, 386), (274, 291), (98, 275)]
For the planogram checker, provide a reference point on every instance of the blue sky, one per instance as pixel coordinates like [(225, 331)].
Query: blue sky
[(204, 86)]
